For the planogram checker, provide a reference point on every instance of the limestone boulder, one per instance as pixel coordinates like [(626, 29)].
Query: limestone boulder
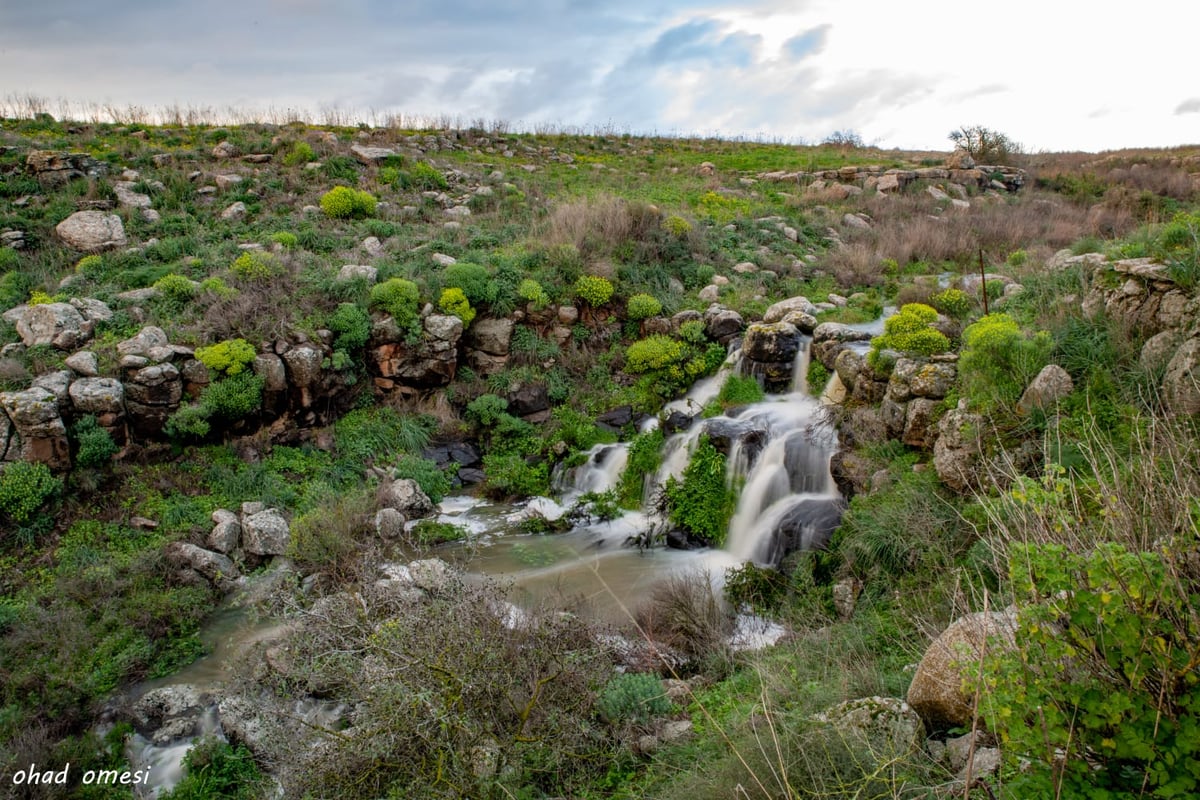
[(265, 533), (723, 324), (1050, 387), (150, 339), (99, 396), (407, 497), (216, 568), (938, 691), (490, 335), (958, 450), (83, 363), (38, 425), (1181, 383), (92, 231), (57, 324), (774, 341)]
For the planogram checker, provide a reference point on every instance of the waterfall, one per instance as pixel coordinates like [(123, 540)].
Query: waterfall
[(599, 473)]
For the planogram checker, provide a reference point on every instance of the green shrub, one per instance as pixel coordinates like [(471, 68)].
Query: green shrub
[(352, 327), (342, 202), (301, 153), (656, 352), (189, 422), (285, 239), (760, 588), (702, 504), (677, 226), (593, 290), (509, 475), (1100, 697), (255, 265), (217, 288), (218, 769), (341, 168), (486, 409), (643, 306), (427, 177), (908, 332), (91, 267), (532, 292), (454, 302), (24, 488), (818, 376), (233, 397), (692, 332), (96, 445), (8, 259), (645, 455), (429, 532), (999, 360), (176, 289), (952, 302), (229, 357), (1017, 258), (739, 391), (432, 479), (473, 279), (380, 435), (636, 697), (14, 288), (398, 297)]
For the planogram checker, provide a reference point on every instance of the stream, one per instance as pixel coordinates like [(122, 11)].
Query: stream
[(778, 452)]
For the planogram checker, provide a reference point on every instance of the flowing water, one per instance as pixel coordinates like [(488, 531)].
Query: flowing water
[(778, 453)]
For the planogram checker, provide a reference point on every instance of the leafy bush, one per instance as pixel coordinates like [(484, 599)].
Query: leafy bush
[(760, 588), (692, 332), (229, 357), (633, 697), (429, 532), (701, 504), (985, 145), (999, 360), (301, 153), (285, 239), (952, 302), (255, 265), (96, 445), (593, 290), (217, 288), (189, 422), (398, 297), (24, 488), (654, 353), (177, 289), (473, 279), (909, 332), (739, 390), (509, 475), (380, 435), (352, 326), (643, 306), (8, 259), (677, 226), (215, 768), (532, 292), (424, 175), (486, 409), (342, 202), (1101, 694), (432, 479), (233, 397), (455, 303)]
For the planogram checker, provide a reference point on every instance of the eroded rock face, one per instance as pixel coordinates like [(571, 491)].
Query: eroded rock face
[(92, 231), (1181, 383), (40, 432), (406, 496), (957, 453), (431, 362), (216, 568), (937, 691), (152, 394)]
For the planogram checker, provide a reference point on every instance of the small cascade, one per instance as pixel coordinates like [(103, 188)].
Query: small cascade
[(599, 473), (800, 368), (165, 761)]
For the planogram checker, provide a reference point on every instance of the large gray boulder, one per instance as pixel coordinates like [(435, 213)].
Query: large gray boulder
[(92, 231), (407, 497), (42, 436), (779, 311), (57, 324), (886, 726), (98, 396), (1050, 387), (1181, 383), (216, 568), (265, 533)]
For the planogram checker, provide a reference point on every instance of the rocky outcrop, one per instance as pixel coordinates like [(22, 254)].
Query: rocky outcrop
[(1181, 383), (887, 180), (1140, 293), (1046, 390), (152, 394), (57, 324), (53, 169), (938, 691), (265, 533), (769, 353), (885, 726), (217, 569), (428, 363), (37, 428), (488, 342), (723, 324), (958, 452), (406, 497), (92, 231)]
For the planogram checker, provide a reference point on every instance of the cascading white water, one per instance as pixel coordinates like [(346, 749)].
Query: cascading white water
[(599, 473)]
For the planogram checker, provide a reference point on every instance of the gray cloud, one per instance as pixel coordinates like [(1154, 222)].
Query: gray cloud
[(1189, 106), (808, 43)]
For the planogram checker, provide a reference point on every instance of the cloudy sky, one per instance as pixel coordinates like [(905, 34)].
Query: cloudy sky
[(1053, 74)]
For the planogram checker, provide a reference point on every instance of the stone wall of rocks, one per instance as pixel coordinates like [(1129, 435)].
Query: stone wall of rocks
[(852, 180)]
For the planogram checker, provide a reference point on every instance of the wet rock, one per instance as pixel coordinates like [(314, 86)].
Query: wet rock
[(528, 400), (776, 341), (807, 525), (616, 419), (723, 324), (158, 707)]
